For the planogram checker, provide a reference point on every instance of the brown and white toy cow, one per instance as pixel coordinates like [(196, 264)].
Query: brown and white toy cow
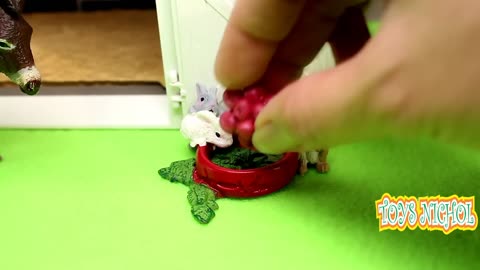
[(16, 58), (317, 158)]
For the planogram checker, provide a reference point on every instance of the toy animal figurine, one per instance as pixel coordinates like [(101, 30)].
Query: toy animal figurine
[(202, 200), (204, 127), (16, 58), (208, 99), (319, 158)]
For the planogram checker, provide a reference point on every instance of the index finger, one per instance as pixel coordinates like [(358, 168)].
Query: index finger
[(254, 30)]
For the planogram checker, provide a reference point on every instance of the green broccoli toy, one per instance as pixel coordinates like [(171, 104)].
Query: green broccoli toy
[(179, 171), (201, 198)]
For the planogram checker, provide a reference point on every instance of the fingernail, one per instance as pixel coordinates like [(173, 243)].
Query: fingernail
[(272, 139)]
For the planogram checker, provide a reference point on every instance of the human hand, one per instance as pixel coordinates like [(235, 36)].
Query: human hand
[(416, 77)]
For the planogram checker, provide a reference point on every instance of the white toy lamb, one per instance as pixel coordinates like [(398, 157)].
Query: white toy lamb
[(204, 127)]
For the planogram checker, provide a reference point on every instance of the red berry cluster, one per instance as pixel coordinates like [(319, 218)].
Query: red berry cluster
[(244, 107)]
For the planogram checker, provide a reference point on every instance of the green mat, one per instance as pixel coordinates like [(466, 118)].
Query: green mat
[(93, 200)]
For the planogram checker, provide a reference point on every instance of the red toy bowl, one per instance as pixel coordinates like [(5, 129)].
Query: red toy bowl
[(247, 183)]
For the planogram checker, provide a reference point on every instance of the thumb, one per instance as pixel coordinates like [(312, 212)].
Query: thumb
[(336, 106), (319, 111)]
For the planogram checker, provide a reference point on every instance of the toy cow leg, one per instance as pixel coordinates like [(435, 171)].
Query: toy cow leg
[(303, 163), (322, 164), (317, 158), (16, 58)]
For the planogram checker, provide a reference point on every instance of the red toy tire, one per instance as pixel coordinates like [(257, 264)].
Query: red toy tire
[(244, 183)]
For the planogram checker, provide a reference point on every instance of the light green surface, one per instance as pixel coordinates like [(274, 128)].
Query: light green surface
[(93, 200)]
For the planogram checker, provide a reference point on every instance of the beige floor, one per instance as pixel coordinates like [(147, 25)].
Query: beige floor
[(107, 46)]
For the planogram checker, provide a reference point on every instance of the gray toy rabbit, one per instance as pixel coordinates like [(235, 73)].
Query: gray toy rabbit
[(208, 99)]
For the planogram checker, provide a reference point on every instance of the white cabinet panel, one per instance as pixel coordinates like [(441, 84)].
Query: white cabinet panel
[(198, 27)]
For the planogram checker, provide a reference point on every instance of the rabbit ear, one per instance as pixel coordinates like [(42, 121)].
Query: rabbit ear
[(213, 91), (219, 93), (199, 88), (207, 116)]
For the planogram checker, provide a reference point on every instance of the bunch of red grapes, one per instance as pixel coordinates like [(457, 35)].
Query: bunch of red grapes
[(244, 108)]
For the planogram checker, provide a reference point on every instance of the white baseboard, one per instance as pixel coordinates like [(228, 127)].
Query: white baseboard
[(86, 111)]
